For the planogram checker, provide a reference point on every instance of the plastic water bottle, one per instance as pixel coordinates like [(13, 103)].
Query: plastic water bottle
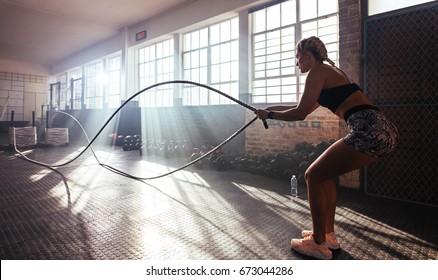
[(294, 186)]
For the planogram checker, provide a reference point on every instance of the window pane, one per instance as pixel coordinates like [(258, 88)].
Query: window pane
[(288, 13), (259, 74), (259, 21), (287, 62), (195, 40), (225, 72), (259, 67), (326, 7), (159, 48), (214, 34), (260, 59), (187, 60), (260, 45), (187, 42), (260, 38), (195, 59), (159, 67), (308, 26), (273, 99), (309, 29), (215, 74), (203, 77), (259, 99), (329, 22), (234, 71), (260, 52), (274, 18), (203, 57), (215, 54), (203, 38), (152, 53), (273, 72), (141, 55), (195, 74), (225, 52), (308, 9), (288, 32), (166, 65), (235, 28), (225, 31), (234, 51)]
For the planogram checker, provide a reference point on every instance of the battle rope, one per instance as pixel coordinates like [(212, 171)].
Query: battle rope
[(122, 173)]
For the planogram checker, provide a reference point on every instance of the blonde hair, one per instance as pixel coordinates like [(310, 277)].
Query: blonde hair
[(316, 47)]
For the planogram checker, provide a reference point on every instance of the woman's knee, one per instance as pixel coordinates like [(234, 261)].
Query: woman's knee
[(314, 177), (311, 176)]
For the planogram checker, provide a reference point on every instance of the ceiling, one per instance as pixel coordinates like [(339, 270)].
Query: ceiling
[(46, 31)]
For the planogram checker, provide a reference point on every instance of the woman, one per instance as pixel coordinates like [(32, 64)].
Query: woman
[(371, 136)]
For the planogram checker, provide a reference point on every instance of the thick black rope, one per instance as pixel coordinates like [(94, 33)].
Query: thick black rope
[(117, 171)]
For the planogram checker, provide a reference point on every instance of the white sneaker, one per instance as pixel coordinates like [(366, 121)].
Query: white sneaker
[(308, 246), (330, 238)]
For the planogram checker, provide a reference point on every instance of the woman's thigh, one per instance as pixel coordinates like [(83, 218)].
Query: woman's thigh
[(338, 159)]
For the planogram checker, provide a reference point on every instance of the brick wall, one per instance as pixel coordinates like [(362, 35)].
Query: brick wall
[(350, 47), (22, 94), (350, 37), (283, 136)]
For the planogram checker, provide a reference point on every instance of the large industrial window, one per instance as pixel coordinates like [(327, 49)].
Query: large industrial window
[(276, 28), (114, 81), (94, 85), (155, 65), (211, 56), (59, 99), (75, 88)]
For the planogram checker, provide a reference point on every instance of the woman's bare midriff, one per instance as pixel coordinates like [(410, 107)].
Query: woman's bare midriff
[(357, 98)]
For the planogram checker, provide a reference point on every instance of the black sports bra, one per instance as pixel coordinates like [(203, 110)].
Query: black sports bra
[(331, 98)]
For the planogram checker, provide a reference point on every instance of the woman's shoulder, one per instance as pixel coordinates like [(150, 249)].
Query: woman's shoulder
[(323, 69), (332, 75)]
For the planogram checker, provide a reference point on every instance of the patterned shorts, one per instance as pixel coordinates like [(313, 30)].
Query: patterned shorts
[(371, 133)]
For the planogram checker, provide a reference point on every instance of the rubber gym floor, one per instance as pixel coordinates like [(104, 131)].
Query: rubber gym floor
[(84, 211)]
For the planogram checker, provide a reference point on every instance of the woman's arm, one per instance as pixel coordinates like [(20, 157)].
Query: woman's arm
[(280, 108), (309, 101)]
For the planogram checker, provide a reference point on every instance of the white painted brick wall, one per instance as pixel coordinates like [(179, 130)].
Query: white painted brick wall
[(21, 88), (5, 85), (35, 87)]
